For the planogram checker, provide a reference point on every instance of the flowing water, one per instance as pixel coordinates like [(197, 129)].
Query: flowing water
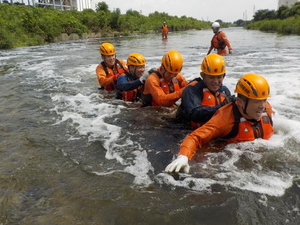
[(71, 154)]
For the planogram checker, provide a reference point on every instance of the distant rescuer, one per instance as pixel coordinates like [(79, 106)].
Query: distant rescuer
[(110, 68), (219, 41), (246, 119), (164, 31)]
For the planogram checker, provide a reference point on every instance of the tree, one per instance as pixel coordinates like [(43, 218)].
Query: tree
[(282, 12), (264, 14), (239, 23), (295, 10), (102, 6), (115, 21)]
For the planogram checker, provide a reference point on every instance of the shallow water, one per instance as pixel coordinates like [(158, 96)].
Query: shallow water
[(71, 154)]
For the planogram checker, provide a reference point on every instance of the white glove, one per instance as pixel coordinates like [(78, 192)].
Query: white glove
[(144, 77), (181, 162)]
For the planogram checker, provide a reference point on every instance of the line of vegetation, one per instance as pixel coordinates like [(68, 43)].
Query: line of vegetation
[(22, 25), (284, 21)]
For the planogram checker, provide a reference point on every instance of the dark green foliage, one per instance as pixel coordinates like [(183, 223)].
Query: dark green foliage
[(285, 20), (102, 6), (264, 14), (21, 25)]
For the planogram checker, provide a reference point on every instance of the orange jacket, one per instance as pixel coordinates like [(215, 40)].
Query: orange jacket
[(132, 95), (106, 80), (220, 125), (164, 29), (219, 41), (154, 88)]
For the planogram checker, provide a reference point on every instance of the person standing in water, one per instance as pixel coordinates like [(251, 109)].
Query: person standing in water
[(164, 31), (219, 41)]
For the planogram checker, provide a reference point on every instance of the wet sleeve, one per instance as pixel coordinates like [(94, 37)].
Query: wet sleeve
[(182, 81), (153, 86), (101, 76), (225, 39), (218, 126), (211, 46), (124, 85)]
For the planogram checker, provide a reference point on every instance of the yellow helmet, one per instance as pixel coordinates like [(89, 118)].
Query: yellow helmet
[(213, 64), (136, 59), (253, 86), (172, 61), (107, 49)]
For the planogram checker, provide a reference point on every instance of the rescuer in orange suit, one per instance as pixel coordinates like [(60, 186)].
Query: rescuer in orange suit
[(110, 68), (164, 31), (219, 41), (164, 87), (246, 119)]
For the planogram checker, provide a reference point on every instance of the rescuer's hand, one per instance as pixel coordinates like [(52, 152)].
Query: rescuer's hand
[(181, 162), (228, 99), (117, 75), (144, 77)]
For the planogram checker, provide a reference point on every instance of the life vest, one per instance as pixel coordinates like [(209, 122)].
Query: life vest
[(245, 130), (209, 99), (217, 43), (164, 28), (167, 87), (132, 95), (117, 69)]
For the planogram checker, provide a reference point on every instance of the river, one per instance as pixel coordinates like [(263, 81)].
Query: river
[(73, 154)]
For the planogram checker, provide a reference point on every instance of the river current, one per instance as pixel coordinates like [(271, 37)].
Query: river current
[(73, 154)]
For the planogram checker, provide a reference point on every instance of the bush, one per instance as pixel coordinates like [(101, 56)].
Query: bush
[(6, 40), (21, 25)]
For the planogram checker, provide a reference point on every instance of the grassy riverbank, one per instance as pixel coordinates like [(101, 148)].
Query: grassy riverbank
[(286, 26), (286, 20), (22, 25)]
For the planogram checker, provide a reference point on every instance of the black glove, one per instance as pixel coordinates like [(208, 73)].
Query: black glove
[(228, 99)]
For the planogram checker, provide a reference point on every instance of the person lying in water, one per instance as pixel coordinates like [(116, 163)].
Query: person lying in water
[(246, 119)]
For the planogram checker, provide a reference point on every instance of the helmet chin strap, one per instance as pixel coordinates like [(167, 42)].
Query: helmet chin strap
[(246, 105), (164, 72)]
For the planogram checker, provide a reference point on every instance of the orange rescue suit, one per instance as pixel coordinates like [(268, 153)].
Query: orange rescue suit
[(132, 95), (221, 125), (164, 30), (219, 42), (167, 87), (163, 93), (105, 75)]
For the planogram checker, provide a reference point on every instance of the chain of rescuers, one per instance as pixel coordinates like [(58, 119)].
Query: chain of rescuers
[(206, 104)]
